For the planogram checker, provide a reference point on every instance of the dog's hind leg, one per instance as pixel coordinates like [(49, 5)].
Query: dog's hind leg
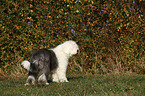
[(43, 78), (29, 79)]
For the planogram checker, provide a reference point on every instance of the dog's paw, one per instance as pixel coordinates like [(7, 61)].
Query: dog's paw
[(27, 84), (47, 83), (66, 81), (55, 80), (63, 80)]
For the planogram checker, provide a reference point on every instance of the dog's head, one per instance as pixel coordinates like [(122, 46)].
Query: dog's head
[(70, 47)]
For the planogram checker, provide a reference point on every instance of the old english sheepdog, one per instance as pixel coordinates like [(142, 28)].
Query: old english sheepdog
[(55, 61)]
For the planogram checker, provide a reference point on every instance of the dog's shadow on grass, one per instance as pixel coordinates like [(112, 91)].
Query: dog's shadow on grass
[(70, 78), (75, 78)]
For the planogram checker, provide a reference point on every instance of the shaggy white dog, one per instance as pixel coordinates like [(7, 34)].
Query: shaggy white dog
[(50, 60), (63, 53)]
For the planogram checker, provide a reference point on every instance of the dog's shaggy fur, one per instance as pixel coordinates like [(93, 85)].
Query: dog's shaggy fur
[(50, 60)]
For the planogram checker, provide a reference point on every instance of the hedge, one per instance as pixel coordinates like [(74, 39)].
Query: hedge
[(110, 34)]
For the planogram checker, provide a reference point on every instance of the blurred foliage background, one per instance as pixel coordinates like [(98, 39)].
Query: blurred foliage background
[(110, 34)]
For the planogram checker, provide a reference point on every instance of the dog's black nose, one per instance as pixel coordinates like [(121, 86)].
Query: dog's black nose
[(78, 51)]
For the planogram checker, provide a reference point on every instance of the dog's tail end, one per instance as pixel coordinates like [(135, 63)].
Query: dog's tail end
[(26, 64)]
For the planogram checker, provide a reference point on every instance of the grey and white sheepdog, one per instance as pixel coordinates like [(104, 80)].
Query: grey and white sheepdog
[(46, 61)]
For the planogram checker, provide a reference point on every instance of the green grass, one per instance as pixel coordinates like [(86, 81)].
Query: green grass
[(79, 85)]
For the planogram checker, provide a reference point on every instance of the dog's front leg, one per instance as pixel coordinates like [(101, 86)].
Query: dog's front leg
[(62, 75), (54, 77)]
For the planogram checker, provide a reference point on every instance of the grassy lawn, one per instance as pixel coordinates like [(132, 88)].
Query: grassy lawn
[(79, 85)]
